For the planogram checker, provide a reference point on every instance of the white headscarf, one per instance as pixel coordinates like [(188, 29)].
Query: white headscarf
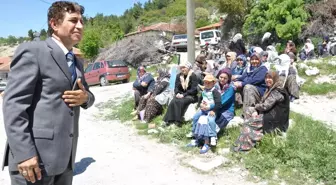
[(237, 37)]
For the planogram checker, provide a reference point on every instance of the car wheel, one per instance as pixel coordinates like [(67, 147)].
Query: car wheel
[(126, 80), (103, 81)]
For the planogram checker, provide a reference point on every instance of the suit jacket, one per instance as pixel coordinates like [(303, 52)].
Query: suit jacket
[(37, 120)]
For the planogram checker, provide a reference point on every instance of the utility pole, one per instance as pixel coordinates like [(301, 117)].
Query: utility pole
[(191, 30)]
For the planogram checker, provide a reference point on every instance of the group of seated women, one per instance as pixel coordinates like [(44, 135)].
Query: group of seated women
[(217, 89)]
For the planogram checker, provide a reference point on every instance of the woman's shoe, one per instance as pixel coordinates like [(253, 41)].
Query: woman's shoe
[(205, 149)]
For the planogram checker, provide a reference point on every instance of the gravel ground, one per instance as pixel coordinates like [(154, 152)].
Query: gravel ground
[(112, 153)]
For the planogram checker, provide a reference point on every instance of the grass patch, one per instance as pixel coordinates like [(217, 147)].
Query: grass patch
[(313, 88), (308, 152)]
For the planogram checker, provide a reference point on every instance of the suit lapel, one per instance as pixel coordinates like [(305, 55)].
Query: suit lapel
[(59, 57)]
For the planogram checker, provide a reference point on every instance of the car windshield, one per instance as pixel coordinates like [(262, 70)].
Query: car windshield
[(176, 37), (207, 35), (116, 63)]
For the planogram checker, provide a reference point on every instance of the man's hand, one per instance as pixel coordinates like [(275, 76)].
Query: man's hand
[(29, 168), (77, 97)]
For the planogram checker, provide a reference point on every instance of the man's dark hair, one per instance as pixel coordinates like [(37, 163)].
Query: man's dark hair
[(58, 9)]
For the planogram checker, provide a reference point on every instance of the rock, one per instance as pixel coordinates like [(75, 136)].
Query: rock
[(302, 66), (312, 71), (235, 122), (151, 126), (326, 79), (332, 62), (207, 165), (152, 131), (161, 129), (225, 151)]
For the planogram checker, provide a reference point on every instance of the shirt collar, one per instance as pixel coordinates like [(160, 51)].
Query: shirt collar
[(61, 45)]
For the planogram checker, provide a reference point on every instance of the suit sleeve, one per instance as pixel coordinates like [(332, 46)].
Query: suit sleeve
[(20, 90), (91, 98)]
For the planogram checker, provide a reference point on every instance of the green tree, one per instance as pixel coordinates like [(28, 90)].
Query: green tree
[(31, 34), (236, 11), (43, 34), (201, 17), (11, 40), (283, 17), (90, 44)]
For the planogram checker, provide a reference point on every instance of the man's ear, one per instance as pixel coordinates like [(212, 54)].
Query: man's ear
[(53, 24)]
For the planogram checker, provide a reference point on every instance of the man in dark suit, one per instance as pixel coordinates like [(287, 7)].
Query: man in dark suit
[(46, 88)]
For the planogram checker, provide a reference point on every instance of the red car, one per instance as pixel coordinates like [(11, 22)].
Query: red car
[(104, 72)]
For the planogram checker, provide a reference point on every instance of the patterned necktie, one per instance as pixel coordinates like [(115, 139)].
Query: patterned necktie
[(72, 65)]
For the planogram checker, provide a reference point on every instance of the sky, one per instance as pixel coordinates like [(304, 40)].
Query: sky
[(18, 16)]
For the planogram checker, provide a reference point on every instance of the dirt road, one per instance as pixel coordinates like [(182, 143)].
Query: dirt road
[(111, 153)]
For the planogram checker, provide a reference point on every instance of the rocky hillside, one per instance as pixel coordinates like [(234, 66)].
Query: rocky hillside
[(7, 50)]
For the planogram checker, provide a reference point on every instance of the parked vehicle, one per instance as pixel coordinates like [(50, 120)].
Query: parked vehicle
[(104, 72), (180, 41), (3, 85), (212, 37)]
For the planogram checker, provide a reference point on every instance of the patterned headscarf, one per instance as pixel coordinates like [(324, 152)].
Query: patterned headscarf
[(276, 83), (163, 73), (138, 73)]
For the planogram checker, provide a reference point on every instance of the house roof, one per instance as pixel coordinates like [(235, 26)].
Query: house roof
[(5, 63), (212, 26)]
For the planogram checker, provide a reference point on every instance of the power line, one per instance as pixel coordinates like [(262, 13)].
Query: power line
[(45, 2)]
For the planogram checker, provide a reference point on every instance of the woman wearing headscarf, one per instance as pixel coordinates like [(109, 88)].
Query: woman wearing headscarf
[(270, 115), (252, 82), (224, 86), (185, 93), (230, 60), (237, 44), (153, 106), (307, 51), (240, 68), (142, 86), (290, 47)]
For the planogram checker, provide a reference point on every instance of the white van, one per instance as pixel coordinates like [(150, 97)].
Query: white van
[(212, 37)]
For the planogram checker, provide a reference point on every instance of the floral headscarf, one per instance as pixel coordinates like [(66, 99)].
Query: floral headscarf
[(276, 83), (138, 73)]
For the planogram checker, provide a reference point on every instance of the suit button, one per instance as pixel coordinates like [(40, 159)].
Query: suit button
[(71, 113), (71, 135)]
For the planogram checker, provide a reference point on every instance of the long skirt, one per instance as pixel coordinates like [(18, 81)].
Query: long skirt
[(251, 97), (177, 108), (137, 97), (153, 109), (251, 133), (150, 107)]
